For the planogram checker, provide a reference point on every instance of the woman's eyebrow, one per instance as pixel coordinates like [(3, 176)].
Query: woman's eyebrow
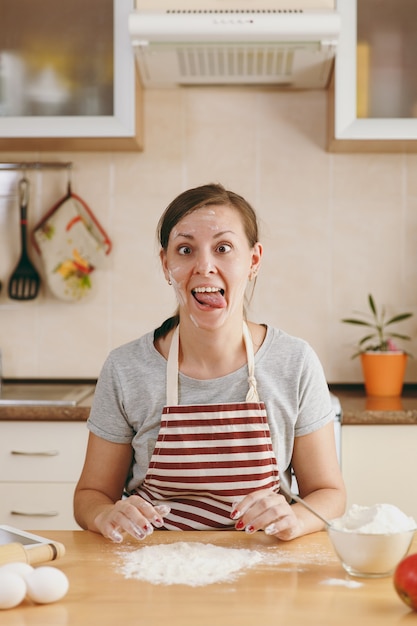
[(215, 236), (223, 232)]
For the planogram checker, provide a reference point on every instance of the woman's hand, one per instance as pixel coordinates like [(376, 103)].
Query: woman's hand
[(132, 515), (319, 481), (97, 499), (268, 511)]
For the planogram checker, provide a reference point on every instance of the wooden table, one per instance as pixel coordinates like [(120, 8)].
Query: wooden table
[(306, 586)]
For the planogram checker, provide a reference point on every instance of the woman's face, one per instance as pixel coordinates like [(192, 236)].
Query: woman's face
[(209, 261)]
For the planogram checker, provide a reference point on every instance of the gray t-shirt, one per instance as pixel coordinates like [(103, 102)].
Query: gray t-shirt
[(131, 392)]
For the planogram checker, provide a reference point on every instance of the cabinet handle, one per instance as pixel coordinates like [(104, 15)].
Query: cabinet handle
[(33, 514), (39, 453)]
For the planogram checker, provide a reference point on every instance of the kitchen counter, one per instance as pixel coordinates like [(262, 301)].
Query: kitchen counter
[(303, 583), (51, 413), (357, 408), (54, 400)]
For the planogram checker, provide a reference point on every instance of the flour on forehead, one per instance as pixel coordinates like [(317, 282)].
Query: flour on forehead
[(205, 214)]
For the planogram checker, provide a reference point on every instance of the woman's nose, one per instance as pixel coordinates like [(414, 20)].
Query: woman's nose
[(204, 264)]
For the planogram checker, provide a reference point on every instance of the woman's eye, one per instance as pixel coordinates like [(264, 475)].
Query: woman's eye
[(224, 247), (184, 250)]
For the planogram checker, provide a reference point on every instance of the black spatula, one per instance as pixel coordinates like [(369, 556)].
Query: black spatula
[(24, 282)]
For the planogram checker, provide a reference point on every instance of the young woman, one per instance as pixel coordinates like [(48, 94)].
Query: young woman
[(195, 425)]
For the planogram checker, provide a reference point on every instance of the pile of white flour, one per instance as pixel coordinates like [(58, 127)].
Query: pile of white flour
[(377, 519), (184, 563)]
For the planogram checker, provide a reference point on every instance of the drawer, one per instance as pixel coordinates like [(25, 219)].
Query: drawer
[(42, 451), (40, 506)]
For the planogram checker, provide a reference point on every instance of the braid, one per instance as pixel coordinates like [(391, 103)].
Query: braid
[(166, 326)]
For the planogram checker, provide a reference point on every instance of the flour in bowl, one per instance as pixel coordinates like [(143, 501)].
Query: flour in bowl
[(187, 563), (377, 519)]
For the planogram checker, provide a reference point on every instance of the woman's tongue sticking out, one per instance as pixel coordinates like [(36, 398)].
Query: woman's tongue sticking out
[(211, 297)]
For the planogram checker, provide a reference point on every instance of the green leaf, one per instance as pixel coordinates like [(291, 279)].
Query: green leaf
[(398, 318), (358, 322), (372, 305), (367, 338), (398, 336)]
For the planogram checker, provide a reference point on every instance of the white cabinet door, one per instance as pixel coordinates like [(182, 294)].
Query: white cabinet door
[(379, 465), (42, 451), (67, 77), (37, 506), (373, 102), (40, 463)]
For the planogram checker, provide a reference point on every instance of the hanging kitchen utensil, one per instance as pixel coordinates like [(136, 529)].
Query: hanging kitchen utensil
[(24, 281), (72, 244)]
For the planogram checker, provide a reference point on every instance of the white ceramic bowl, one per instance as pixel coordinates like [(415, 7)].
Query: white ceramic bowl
[(370, 555)]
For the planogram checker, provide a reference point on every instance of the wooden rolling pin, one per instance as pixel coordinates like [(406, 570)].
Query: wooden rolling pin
[(16, 552)]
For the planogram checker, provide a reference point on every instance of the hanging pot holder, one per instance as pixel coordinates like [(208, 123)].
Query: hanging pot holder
[(72, 244)]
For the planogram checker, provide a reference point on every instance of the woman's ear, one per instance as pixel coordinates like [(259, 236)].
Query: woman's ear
[(163, 259), (256, 260)]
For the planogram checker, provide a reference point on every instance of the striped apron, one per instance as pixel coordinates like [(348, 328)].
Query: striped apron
[(209, 456)]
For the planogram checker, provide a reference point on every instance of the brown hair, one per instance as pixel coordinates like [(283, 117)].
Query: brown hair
[(188, 202), (206, 195)]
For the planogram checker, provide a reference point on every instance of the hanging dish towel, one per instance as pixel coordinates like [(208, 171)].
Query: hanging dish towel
[(72, 244)]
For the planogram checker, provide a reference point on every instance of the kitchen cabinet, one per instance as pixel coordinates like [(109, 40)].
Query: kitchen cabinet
[(62, 88), (379, 465), (40, 463), (373, 95)]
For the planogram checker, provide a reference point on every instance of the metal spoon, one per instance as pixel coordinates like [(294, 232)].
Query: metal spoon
[(296, 498)]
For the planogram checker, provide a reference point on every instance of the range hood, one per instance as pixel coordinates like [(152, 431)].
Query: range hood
[(264, 44)]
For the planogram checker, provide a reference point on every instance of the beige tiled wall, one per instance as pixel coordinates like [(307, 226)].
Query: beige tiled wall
[(334, 228)]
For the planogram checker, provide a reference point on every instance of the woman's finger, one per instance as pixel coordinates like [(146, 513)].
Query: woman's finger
[(132, 515)]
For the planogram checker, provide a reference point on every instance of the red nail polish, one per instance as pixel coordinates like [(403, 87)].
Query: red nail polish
[(250, 529), (239, 525), (234, 514)]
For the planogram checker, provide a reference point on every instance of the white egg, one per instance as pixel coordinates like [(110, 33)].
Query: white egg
[(23, 569), (12, 589), (46, 584)]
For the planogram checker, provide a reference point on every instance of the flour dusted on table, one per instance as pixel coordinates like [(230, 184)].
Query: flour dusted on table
[(341, 582), (197, 564), (184, 563)]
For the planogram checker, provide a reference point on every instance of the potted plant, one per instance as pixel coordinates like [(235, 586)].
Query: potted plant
[(383, 363)]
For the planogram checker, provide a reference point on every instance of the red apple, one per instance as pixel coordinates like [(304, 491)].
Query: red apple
[(405, 580)]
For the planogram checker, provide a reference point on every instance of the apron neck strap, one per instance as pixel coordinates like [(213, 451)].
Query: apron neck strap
[(172, 368), (252, 395)]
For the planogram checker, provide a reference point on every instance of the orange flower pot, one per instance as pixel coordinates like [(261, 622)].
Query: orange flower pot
[(383, 372), (384, 403)]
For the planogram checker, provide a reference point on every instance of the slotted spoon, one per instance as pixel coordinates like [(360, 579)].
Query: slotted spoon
[(24, 282)]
